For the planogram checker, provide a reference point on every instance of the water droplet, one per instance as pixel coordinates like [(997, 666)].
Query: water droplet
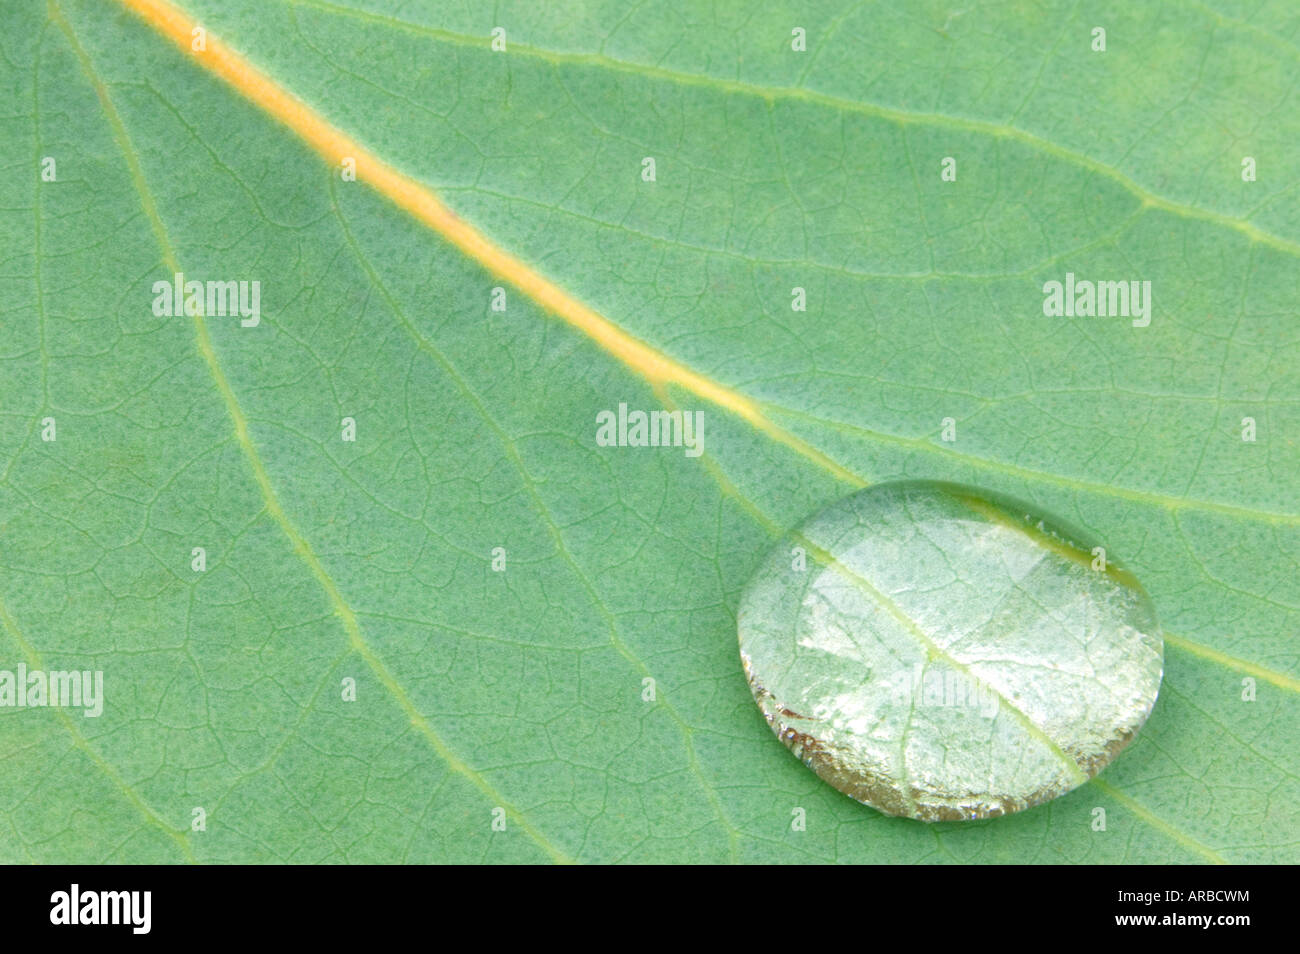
[(945, 653)]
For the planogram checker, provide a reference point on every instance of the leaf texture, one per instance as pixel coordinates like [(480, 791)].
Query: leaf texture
[(519, 696)]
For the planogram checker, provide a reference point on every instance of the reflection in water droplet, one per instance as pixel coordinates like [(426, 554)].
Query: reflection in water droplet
[(942, 653)]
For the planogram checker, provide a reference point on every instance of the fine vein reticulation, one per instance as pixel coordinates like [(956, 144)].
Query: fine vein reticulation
[(658, 369)]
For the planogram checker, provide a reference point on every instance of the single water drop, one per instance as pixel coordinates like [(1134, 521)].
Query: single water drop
[(942, 653)]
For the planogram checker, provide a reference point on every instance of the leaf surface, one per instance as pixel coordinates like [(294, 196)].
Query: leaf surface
[(372, 560)]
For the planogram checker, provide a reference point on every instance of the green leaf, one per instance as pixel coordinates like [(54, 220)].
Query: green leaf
[(941, 655), (501, 587)]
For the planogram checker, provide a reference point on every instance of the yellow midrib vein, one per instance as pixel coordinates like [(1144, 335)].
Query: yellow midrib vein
[(552, 527), (302, 548), (418, 201), (414, 198), (900, 117)]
